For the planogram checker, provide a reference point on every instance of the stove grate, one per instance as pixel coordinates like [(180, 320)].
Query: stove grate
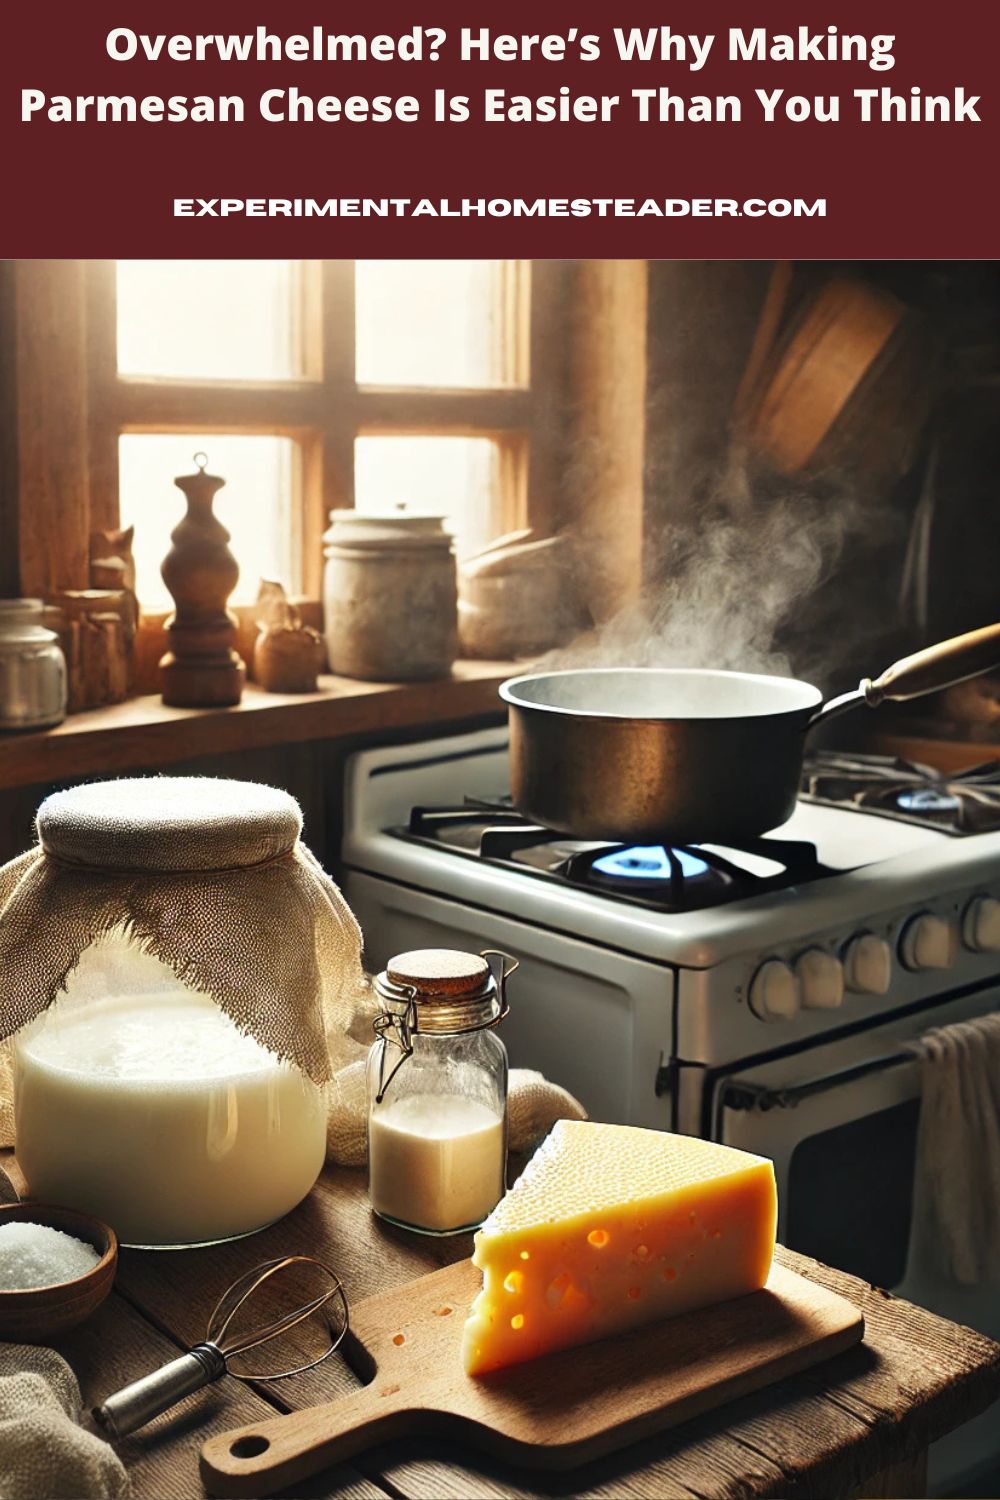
[(660, 878), (956, 802)]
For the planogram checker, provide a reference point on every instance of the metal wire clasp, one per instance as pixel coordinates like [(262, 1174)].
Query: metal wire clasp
[(507, 966), (410, 1009), (390, 1026)]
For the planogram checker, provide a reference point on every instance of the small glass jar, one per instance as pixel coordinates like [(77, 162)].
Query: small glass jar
[(437, 1090), (32, 668)]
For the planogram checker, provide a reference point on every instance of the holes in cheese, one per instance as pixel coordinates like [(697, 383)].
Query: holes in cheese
[(612, 1226), (557, 1289)]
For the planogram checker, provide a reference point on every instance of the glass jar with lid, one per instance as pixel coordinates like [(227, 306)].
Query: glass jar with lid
[(437, 1090), (32, 668)]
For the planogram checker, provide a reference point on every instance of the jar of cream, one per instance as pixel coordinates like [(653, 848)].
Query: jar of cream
[(437, 1091)]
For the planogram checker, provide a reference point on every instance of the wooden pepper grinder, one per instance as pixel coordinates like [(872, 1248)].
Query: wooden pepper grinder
[(201, 669)]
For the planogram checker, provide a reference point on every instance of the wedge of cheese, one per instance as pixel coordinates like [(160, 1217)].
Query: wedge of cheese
[(609, 1227)]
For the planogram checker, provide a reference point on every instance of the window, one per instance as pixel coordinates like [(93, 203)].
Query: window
[(314, 385)]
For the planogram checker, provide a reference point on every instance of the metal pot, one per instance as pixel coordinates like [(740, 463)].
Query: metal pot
[(649, 756)]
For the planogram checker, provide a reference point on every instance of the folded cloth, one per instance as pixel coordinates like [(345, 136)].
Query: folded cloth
[(958, 1148), (44, 1455), (533, 1107)]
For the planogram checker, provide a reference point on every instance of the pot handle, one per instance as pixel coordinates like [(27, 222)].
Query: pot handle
[(926, 671)]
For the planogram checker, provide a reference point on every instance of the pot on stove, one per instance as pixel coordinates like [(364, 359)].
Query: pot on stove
[(650, 756)]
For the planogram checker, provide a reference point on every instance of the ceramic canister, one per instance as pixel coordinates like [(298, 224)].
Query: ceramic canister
[(390, 597)]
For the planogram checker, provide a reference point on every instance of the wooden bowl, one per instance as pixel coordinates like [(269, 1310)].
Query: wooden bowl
[(39, 1315)]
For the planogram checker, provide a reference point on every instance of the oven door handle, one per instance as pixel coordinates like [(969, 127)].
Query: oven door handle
[(759, 1098)]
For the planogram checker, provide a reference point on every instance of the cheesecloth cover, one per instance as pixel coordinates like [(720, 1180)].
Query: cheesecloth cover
[(207, 876)]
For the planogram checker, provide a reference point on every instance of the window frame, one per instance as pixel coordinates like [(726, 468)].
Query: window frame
[(326, 409)]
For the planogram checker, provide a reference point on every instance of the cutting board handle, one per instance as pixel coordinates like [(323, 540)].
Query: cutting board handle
[(268, 1456)]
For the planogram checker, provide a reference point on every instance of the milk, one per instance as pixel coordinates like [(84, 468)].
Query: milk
[(156, 1114), (436, 1161)]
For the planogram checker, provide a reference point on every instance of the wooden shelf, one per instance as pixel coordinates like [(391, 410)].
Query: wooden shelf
[(144, 734)]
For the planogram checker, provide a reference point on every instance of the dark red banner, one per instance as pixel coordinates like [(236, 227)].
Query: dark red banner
[(861, 128)]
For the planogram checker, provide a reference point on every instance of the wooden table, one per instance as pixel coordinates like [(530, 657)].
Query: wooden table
[(857, 1426)]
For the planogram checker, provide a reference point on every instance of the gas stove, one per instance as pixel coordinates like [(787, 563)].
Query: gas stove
[(766, 996), (682, 878), (435, 818)]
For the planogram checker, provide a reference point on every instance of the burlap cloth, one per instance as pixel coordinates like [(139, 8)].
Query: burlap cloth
[(211, 878), (44, 1454)]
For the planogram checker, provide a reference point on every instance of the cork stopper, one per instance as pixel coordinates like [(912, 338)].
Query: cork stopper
[(439, 972)]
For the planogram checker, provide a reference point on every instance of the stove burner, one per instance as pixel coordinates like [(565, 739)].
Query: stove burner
[(928, 800), (660, 878), (649, 864), (675, 879), (959, 802)]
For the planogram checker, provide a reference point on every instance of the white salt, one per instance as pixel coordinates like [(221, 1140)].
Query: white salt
[(34, 1255)]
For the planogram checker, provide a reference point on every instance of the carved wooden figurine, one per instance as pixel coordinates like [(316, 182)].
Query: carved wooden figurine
[(201, 669), (96, 632), (112, 566), (287, 655)]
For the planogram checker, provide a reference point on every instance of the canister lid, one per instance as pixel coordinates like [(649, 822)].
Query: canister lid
[(21, 622), (20, 609), (169, 823), (439, 972), (393, 532)]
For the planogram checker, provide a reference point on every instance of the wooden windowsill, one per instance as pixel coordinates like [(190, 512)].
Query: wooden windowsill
[(144, 734)]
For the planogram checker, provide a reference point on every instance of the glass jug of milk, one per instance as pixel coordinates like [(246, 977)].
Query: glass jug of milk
[(140, 1101), (437, 1091)]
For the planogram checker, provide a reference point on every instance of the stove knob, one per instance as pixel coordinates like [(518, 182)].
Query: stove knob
[(928, 942), (981, 925), (821, 979), (868, 965), (774, 992)]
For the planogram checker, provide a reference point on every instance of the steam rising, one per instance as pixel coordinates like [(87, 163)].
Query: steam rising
[(740, 588)]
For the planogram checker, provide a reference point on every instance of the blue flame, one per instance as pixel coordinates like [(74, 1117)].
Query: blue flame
[(652, 863), (927, 799)]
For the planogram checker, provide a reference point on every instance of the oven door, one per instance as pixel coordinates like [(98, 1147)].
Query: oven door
[(839, 1120)]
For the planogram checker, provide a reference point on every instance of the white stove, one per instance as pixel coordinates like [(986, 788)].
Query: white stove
[(762, 996)]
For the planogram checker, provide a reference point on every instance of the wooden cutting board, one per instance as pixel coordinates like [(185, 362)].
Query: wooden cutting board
[(553, 1412)]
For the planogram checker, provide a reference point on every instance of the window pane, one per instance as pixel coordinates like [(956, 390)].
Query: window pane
[(436, 322), (255, 505), (454, 477), (207, 319)]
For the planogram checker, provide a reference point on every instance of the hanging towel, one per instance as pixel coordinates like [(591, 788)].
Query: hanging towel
[(44, 1454), (958, 1148), (533, 1106)]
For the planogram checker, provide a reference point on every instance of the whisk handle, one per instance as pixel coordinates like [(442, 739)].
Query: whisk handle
[(145, 1399)]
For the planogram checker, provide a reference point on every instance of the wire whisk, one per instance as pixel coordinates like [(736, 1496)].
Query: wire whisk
[(155, 1393)]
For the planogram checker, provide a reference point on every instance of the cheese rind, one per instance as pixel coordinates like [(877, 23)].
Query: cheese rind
[(611, 1227)]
